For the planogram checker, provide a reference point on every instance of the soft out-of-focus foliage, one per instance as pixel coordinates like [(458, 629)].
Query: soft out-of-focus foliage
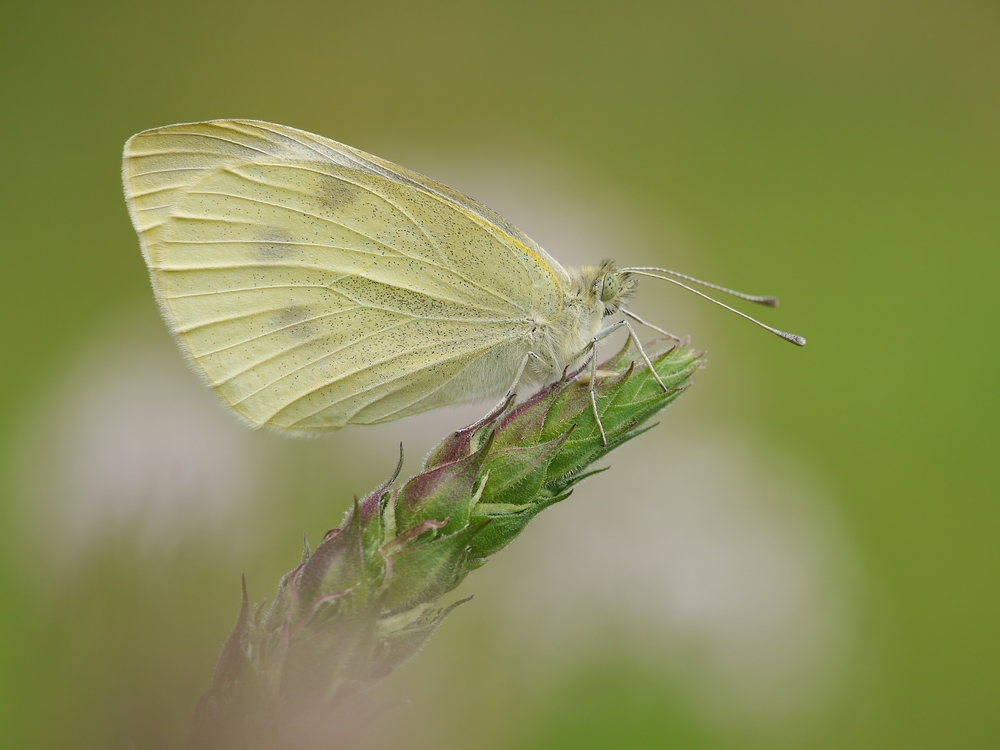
[(825, 573)]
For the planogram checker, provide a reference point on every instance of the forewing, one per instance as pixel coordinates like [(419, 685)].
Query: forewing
[(313, 286)]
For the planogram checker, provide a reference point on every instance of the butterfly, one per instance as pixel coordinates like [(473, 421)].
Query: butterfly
[(313, 285)]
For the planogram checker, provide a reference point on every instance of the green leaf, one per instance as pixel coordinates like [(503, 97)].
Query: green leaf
[(336, 566), (444, 492), (425, 572), (515, 475), (505, 527)]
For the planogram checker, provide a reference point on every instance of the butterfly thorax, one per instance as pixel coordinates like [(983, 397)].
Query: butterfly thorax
[(594, 292)]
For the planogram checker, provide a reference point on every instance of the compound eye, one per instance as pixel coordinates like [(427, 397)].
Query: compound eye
[(609, 287)]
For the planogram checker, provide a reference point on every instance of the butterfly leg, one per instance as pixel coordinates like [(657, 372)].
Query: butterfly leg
[(645, 357), (512, 391), (594, 343), (593, 390), (646, 323), (593, 346)]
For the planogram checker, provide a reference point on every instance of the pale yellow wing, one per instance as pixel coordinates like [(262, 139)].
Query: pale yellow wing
[(313, 285)]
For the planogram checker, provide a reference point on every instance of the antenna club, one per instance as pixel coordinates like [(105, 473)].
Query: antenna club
[(665, 275)]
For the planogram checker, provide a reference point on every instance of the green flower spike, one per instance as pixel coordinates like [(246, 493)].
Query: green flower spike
[(293, 674)]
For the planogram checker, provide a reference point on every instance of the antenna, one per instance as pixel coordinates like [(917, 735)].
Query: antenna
[(665, 275), (756, 299)]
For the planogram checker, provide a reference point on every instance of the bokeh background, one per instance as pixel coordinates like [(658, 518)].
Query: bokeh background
[(804, 554)]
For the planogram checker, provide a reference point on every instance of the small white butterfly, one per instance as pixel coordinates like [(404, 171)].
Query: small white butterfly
[(314, 286)]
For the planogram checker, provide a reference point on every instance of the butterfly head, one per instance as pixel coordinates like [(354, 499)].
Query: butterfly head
[(611, 286)]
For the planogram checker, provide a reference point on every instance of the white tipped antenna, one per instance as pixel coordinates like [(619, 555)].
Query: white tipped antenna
[(756, 299), (665, 275)]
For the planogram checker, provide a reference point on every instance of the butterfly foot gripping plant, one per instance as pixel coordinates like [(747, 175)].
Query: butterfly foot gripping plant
[(294, 673)]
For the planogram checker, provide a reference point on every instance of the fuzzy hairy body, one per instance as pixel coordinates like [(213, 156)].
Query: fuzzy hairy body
[(557, 338)]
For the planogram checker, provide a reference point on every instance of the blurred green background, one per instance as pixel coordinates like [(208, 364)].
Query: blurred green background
[(845, 156)]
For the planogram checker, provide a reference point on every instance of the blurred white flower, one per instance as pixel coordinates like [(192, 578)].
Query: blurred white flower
[(705, 553), (129, 445)]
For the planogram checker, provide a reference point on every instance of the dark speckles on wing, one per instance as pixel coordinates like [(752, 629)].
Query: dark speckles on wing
[(311, 280)]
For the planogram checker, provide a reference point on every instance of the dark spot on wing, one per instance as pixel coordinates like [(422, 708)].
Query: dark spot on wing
[(292, 321), (273, 244), (336, 193)]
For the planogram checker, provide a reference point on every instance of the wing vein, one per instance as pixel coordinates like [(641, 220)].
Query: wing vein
[(167, 170), (293, 136), (311, 362), (248, 289), (328, 220), (423, 231), (478, 350), (230, 318), (216, 138), (258, 336)]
